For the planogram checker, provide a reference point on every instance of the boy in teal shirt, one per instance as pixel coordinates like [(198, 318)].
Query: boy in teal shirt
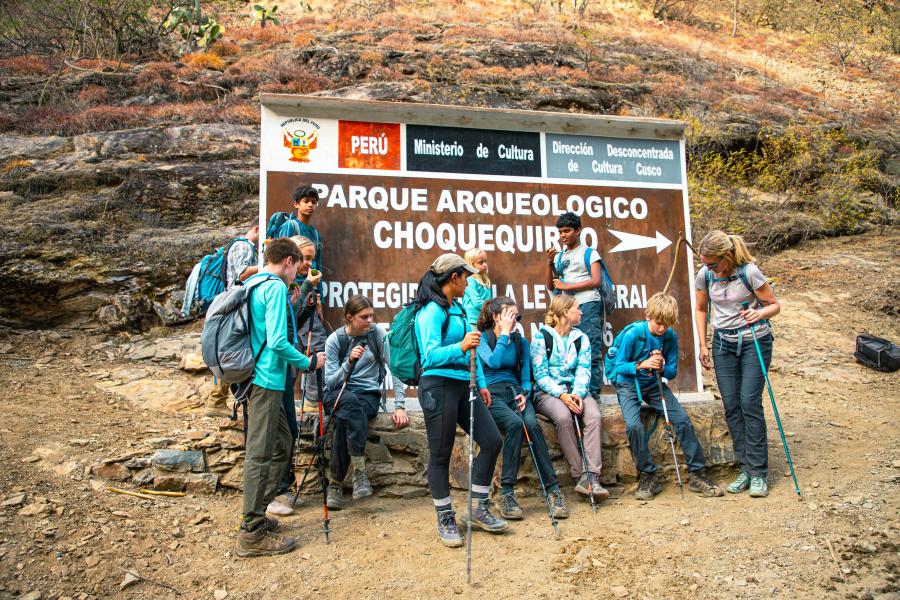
[(640, 350), (268, 435)]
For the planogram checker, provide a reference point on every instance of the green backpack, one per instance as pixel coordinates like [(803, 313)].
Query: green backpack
[(406, 364)]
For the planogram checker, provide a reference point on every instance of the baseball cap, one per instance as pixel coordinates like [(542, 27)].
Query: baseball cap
[(449, 262)]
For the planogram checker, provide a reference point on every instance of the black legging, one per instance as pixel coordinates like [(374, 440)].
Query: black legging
[(445, 403)]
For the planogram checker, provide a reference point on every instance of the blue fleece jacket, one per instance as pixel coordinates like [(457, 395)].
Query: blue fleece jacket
[(630, 352), (443, 356), (500, 366), (568, 371)]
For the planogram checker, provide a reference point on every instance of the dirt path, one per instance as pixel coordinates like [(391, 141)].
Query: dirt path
[(840, 541)]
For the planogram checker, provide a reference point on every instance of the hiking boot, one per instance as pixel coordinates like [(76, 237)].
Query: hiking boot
[(335, 497), (482, 517), (702, 484), (447, 529), (361, 486), (271, 524), (648, 487), (741, 484), (287, 499), (263, 543), (582, 486), (558, 505), (217, 411), (600, 492), (759, 487), (277, 508), (509, 508)]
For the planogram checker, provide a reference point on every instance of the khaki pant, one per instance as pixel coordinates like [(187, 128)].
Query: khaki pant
[(218, 398), (591, 431), (266, 453)]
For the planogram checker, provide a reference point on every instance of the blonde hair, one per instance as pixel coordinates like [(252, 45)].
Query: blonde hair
[(471, 257), (556, 314), (733, 248), (302, 241), (662, 308)]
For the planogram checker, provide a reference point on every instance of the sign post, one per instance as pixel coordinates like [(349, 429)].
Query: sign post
[(402, 183)]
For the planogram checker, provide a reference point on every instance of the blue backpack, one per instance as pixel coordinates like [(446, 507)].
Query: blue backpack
[(614, 357), (213, 268), (607, 288), (276, 222)]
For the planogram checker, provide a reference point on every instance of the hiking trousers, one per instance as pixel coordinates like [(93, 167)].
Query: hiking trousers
[(504, 410), (290, 411), (741, 382), (445, 403), (592, 326), (637, 433), (591, 431), (351, 426), (266, 453)]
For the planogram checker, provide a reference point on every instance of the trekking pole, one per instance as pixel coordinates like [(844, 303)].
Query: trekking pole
[(587, 472), (765, 372), (472, 386), (668, 428), (537, 470)]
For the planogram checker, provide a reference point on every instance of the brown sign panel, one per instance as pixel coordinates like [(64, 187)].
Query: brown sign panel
[(380, 233)]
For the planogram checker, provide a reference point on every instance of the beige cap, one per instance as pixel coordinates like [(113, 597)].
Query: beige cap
[(450, 261)]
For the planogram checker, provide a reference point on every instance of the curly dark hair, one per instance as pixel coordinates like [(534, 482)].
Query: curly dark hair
[(569, 219)]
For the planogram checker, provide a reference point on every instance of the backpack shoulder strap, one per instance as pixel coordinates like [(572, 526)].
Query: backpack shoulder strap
[(491, 338), (587, 258), (343, 345), (548, 342), (377, 346), (742, 275), (516, 339)]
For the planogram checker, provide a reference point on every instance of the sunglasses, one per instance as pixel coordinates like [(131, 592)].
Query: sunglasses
[(712, 265)]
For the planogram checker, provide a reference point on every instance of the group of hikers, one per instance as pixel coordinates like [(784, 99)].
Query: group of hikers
[(557, 374)]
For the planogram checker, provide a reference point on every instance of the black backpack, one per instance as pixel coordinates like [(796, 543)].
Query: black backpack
[(516, 339), (877, 353)]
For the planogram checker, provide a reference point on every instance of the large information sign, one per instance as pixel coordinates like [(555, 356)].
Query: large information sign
[(401, 184)]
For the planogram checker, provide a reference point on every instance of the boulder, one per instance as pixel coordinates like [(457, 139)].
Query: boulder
[(112, 471), (181, 461)]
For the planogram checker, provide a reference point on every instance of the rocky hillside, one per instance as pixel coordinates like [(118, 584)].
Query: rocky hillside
[(117, 176)]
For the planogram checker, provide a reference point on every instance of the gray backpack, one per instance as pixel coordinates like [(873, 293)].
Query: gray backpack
[(225, 339)]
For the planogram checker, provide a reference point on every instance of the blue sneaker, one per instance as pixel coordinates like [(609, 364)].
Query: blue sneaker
[(741, 484)]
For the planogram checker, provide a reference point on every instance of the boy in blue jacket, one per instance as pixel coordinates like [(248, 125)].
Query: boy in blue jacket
[(638, 351)]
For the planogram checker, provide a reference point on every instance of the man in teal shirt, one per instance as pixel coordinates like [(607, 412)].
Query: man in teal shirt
[(268, 436)]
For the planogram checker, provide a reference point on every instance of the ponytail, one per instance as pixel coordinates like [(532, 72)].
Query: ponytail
[(558, 307), (742, 254), (733, 248)]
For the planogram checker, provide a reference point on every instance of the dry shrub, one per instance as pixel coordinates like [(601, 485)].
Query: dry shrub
[(623, 74), (371, 57), (205, 60), (53, 121), (15, 163), (225, 49), (156, 77), (93, 94), (24, 65), (399, 39), (379, 73), (303, 39)]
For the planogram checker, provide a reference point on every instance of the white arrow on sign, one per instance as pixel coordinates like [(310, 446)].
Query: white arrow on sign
[(632, 241)]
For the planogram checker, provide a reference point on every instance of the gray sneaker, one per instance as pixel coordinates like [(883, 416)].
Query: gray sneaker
[(335, 496), (482, 517), (600, 492), (447, 529), (509, 508), (361, 486), (558, 505)]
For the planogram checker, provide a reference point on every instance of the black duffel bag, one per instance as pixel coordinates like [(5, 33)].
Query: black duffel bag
[(877, 353)]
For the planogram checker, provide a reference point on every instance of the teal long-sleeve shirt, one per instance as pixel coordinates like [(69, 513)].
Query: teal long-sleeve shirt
[(630, 352), (474, 298), (443, 355), (268, 307)]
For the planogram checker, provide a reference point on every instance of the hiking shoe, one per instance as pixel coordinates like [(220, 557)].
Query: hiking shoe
[(277, 508), (741, 484), (263, 542), (217, 411), (558, 505), (287, 499), (759, 487), (447, 529), (648, 487), (582, 486), (361, 486), (509, 508), (482, 517), (600, 492), (702, 484), (335, 497)]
